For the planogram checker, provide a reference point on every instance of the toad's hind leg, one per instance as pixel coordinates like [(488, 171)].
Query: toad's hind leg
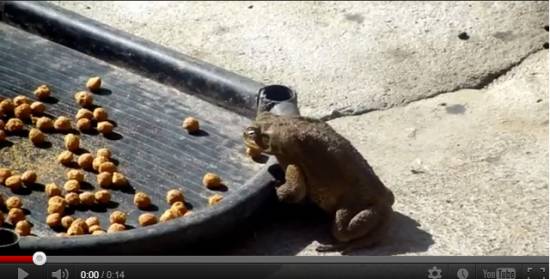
[(294, 189), (362, 230)]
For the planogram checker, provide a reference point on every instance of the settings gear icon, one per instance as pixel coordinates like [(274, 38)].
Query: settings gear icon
[(434, 273)]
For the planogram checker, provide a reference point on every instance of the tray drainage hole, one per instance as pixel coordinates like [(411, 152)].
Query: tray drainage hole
[(278, 93), (8, 238)]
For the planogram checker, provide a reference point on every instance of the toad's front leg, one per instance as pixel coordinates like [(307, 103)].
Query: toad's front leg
[(294, 189)]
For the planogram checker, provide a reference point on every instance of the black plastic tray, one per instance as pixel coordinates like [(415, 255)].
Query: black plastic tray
[(148, 90)]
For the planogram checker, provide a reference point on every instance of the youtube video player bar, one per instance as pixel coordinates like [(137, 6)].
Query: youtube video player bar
[(197, 267)]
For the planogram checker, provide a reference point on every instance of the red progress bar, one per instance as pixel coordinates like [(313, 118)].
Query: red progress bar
[(15, 259)]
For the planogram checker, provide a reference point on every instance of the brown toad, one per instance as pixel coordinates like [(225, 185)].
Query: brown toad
[(323, 166)]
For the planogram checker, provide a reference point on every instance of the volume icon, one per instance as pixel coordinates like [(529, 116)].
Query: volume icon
[(61, 274)]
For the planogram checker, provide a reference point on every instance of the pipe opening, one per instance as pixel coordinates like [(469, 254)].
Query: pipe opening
[(277, 93), (8, 238)]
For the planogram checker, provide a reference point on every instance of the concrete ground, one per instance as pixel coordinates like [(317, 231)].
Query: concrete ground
[(448, 101)]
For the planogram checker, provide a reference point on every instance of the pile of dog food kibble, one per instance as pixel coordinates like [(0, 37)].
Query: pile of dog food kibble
[(16, 112)]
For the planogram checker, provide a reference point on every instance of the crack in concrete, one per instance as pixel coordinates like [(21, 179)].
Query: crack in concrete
[(484, 82)]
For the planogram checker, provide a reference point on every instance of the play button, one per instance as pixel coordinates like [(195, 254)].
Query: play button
[(21, 274)]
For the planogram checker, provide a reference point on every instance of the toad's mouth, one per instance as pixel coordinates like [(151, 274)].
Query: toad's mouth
[(251, 143)]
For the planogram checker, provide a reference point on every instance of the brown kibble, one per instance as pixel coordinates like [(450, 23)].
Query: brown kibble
[(104, 179), (15, 215), (87, 198), (98, 161), (38, 108), (191, 124), (119, 180), (72, 186), (75, 230), (118, 217), (65, 158), (72, 199), (104, 152), (107, 167), (116, 228), (62, 124), (14, 202), (14, 125), (29, 177), (56, 200), (52, 190), (20, 99), (42, 92), (56, 208), (94, 84), (36, 136), (2, 135), (72, 142), (178, 209), (93, 228), (98, 232), (103, 196), (44, 123), (23, 228), (4, 174), (85, 161), (67, 221), (100, 114), (83, 124), (253, 152), (142, 200), (54, 220), (13, 182), (105, 127), (174, 196), (6, 107), (77, 175), (84, 99), (84, 113), (79, 222), (214, 199), (23, 111), (92, 221), (166, 216), (211, 181), (147, 219)]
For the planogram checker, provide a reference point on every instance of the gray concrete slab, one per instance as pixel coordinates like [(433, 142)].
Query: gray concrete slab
[(342, 57), (469, 171)]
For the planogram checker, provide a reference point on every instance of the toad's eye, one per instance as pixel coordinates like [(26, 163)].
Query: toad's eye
[(251, 131)]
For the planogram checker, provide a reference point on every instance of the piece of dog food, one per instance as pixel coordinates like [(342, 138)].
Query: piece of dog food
[(6, 107), (119, 180), (107, 167), (13, 182), (191, 124), (94, 228), (178, 209), (38, 108), (15, 215), (72, 186), (66, 221), (166, 216), (52, 190), (83, 124), (116, 227), (20, 99), (72, 142), (72, 199), (105, 127), (53, 220), (14, 125), (87, 198), (42, 92), (65, 158), (23, 111), (62, 124), (142, 200), (91, 221), (84, 99), (77, 175), (211, 181), (104, 152), (147, 219), (4, 174), (56, 200), (56, 208), (14, 202), (98, 161), (29, 177), (44, 123), (118, 217), (174, 196), (214, 199), (100, 114), (85, 161), (93, 84), (36, 136), (103, 196), (104, 179), (23, 228), (84, 113)]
